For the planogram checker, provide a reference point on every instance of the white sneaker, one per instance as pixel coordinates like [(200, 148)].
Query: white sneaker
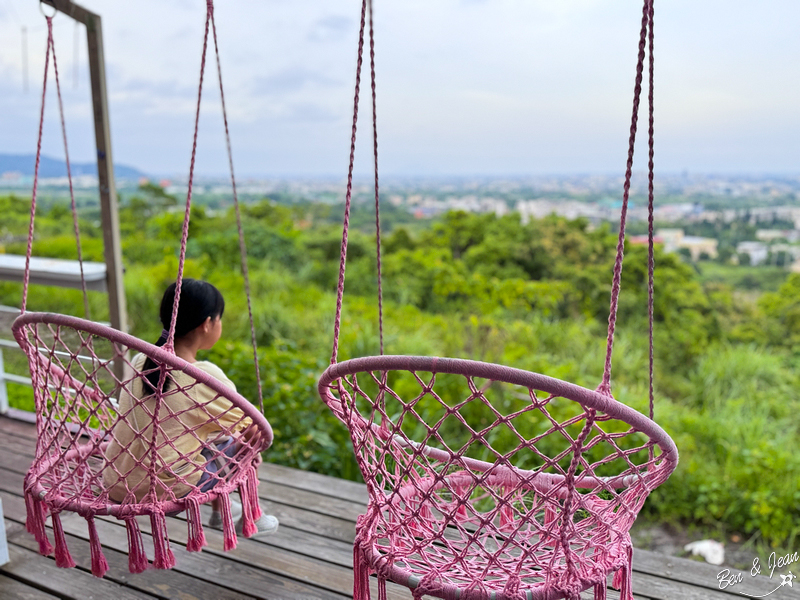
[(215, 521), (265, 525)]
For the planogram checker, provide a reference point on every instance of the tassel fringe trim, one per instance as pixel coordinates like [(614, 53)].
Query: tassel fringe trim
[(99, 562)]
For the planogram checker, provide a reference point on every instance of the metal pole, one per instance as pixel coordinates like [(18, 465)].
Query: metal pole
[(105, 166)]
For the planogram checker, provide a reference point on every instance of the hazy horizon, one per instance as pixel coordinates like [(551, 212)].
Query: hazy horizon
[(638, 174)]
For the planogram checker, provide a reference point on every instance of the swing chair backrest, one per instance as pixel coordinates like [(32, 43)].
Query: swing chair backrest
[(76, 396), (475, 458)]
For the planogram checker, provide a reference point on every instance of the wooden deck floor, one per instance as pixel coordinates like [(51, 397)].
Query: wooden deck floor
[(310, 558)]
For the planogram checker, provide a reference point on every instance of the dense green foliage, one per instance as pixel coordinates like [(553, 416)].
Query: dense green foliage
[(533, 296)]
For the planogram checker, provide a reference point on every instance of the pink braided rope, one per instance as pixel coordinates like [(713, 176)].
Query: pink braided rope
[(377, 195), (75, 227), (170, 344), (605, 386), (651, 263), (29, 250), (567, 526), (343, 257), (242, 245)]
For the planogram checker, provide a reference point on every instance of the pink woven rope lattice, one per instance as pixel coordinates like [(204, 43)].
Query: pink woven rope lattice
[(487, 482), (95, 454), (467, 466)]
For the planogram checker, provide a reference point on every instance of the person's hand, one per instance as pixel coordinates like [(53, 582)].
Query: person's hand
[(252, 435)]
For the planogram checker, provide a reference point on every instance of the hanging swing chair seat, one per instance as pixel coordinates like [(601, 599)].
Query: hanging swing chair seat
[(77, 418), (122, 445), (487, 482), (491, 482)]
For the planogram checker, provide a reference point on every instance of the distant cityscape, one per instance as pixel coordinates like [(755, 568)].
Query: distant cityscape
[(770, 205)]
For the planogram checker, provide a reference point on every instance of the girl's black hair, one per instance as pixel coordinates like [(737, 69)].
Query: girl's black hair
[(199, 301)]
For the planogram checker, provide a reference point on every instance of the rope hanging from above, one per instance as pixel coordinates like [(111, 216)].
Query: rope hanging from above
[(83, 410), (487, 481)]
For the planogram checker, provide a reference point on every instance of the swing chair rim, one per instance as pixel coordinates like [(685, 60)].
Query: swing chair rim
[(159, 355), (587, 398)]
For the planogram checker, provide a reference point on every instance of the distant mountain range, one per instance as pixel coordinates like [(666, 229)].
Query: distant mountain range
[(51, 167)]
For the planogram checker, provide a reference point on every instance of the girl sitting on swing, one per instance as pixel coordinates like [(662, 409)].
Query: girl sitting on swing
[(189, 441)]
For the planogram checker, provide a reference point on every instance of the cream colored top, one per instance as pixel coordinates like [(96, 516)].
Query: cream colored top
[(180, 440)]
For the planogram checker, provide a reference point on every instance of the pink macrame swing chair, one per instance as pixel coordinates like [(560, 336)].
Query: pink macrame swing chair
[(76, 392), (489, 482)]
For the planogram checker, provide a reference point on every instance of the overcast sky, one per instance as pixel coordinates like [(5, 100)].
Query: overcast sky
[(465, 87)]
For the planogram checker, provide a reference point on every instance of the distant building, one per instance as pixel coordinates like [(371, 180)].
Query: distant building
[(757, 251), (770, 235), (699, 246), (675, 239), (791, 254), (564, 207), (672, 238), (644, 240)]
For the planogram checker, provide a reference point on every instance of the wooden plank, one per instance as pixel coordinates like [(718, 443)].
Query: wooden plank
[(704, 575), (326, 505), (114, 535), (218, 566), (14, 507), (337, 578), (31, 568), (24, 430), (290, 516), (21, 591), (303, 542), (17, 443), (317, 514), (318, 535), (289, 564), (162, 583), (11, 460), (11, 482), (209, 567), (168, 584), (316, 523), (314, 482)]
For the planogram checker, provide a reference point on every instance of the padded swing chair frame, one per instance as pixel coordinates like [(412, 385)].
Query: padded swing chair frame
[(78, 415), (488, 482)]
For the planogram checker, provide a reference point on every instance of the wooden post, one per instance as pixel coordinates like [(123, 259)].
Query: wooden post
[(105, 165)]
